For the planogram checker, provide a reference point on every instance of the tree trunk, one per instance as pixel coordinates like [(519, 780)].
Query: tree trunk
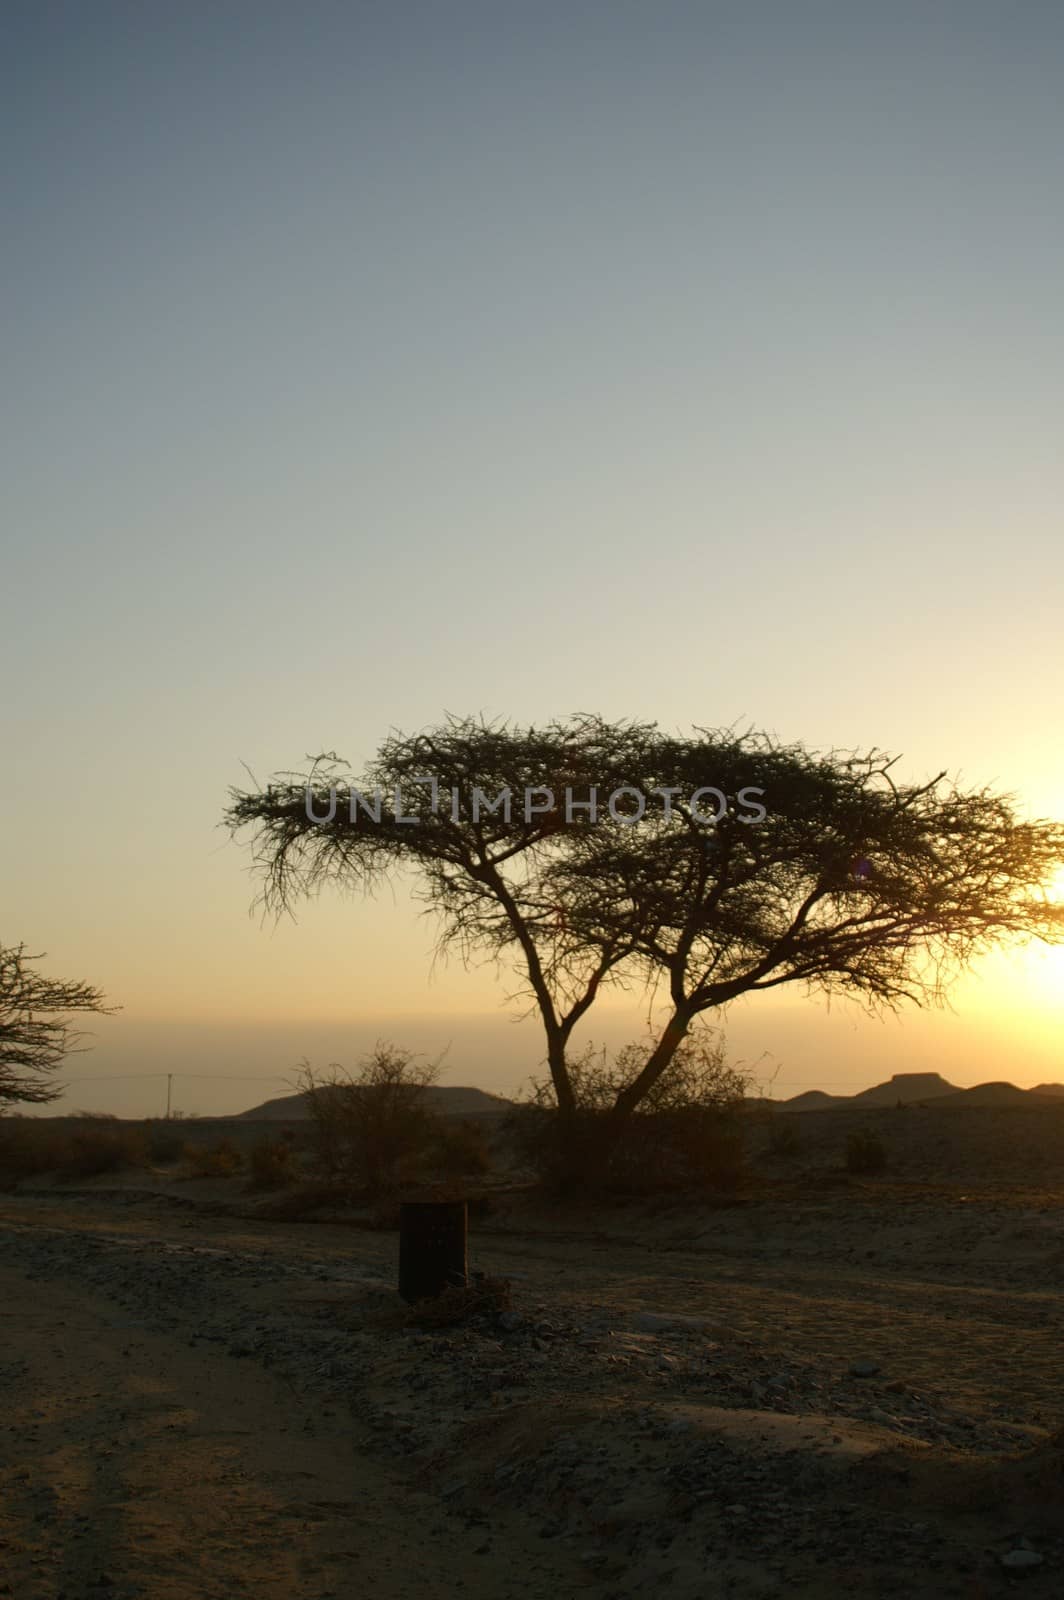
[(559, 1073), (663, 1052), (585, 1152)]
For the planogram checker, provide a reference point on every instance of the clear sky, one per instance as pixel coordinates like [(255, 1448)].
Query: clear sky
[(689, 362)]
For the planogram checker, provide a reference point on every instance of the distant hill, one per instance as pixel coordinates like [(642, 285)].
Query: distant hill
[(456, 1102), (997, 1094), (814, 1100), (913, 1088), (906, 1087)]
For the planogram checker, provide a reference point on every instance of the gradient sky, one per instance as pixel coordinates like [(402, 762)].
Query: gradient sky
[(689, 362)]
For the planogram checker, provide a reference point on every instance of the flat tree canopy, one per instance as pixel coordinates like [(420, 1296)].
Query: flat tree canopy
[(704, 866), (35, 1035)]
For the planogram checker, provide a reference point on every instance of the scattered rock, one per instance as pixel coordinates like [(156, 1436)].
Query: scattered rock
[(655, 1322), (1021, 1560)]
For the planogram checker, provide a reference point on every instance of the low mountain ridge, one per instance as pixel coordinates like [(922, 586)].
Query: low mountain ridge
[(915, 1088), (906, 1087), (449, 1102)]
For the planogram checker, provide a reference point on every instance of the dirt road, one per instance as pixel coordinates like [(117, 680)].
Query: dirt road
[(794, 1396), (134, 1466)]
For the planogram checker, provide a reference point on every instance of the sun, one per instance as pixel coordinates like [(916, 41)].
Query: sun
[(1038, 971), (1055, 887)]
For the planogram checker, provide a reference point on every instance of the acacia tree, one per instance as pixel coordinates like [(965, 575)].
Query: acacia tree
[(35, 1035), (817, 869), (850, 884), (486, 870)]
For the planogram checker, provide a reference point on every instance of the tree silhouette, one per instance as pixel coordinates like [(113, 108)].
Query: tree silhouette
[(847, 881), (35, 1035)]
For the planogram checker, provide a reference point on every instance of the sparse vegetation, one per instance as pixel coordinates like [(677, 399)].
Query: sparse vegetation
[(784, 1138), (686, 1134), (483, 1297), (219, 1160), (92, 1151), (373, 1130), (458, 1149), (27, 1148), (866, 1153), (166, 1145), (271, 1164), (83, 1149)]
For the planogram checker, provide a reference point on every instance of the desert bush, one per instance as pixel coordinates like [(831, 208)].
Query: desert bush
[(458, 1149), (165, 1143), (92, 1151), (219, 1160), (28, 1147), (686, 1134), (865, 1152), (373, 1130), (271, 1164), (453, 1305), (784, 1136), (98, 1144)]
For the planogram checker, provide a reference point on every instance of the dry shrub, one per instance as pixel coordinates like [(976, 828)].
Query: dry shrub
[(784, 1136), (218, 1160), (384, 1214), (458, 1149), (165, 1144), (28, 1147), (93, 1151), (685, 1135), (271, 1163), (865, 1152), (483, 1297), (373, 1130)]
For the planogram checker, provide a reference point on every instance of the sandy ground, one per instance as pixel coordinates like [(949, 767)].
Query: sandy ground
[(132, 1465), (202, 1404)]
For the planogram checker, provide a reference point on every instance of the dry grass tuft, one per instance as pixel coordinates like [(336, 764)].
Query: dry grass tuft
[(483, 1297)]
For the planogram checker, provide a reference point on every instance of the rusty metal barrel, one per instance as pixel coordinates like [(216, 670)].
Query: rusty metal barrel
[(432, 1247)]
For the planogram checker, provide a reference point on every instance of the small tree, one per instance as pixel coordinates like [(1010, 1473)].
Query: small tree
[(35, 1035)]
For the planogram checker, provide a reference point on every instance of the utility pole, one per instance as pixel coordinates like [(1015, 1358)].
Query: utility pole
[(169, 1082)]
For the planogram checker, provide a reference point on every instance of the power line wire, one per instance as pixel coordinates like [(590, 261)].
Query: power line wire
[(228, 1077)]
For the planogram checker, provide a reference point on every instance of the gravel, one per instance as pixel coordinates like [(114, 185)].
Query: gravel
[(629, 1480)]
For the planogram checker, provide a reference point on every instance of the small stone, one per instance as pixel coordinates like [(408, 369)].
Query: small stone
[(510, 1321), (1021, 1560), (864, 1368), (654, 1322)]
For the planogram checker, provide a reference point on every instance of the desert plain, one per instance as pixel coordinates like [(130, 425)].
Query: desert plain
[(817, 1381)]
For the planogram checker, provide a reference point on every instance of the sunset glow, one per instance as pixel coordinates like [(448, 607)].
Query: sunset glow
[(506, 370)]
